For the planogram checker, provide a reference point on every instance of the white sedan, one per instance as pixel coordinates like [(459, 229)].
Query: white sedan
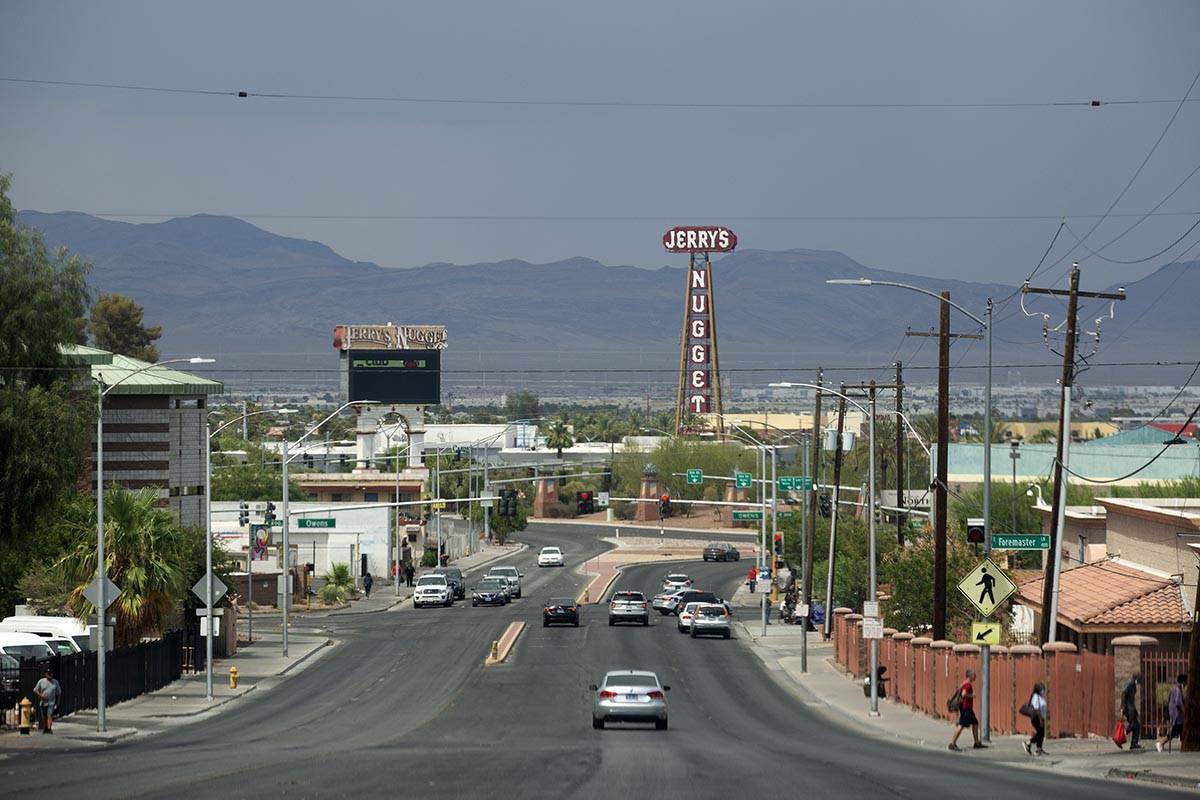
[(550, 557)]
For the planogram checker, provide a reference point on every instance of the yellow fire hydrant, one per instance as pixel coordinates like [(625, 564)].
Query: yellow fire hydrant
[(495, 649), (233, 677), (26, 721)]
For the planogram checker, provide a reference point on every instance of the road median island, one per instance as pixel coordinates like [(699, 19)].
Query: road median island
[(504, 645), (629, 552)]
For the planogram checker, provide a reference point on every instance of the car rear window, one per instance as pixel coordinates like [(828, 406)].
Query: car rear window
[(636, 597), (560, 601), (636, 679), (677, 577), (712, 611)]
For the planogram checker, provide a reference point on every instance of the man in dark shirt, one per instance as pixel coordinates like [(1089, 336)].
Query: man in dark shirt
[(1129, 710)]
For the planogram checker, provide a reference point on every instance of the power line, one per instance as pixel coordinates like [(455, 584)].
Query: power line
[(577, 103), (1166, 446), (1150, 257)]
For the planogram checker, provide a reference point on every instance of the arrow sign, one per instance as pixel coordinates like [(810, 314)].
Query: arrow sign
[(218, 589), (695, 476), (743, 480), (111, 592), (985, 633)]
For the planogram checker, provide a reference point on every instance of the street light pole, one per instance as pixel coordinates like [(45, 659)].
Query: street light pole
[(874, 594), (208, 563)]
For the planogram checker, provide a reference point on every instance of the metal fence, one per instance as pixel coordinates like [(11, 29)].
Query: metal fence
[(1159, 671), (130, 671)]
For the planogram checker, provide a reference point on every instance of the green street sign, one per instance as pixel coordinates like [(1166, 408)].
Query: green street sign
[(795, 483), (276, 523), (695, 476), (316, 522), (747, 515), (785, 514), (1008, 541), (743, 480)]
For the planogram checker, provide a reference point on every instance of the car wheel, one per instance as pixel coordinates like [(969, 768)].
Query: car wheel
[(726, 634), (610, 622), (576, 623), (646, 621), (598, 724), (474, 604), (660, 724)]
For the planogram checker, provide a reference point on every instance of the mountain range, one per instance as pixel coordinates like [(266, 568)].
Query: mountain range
[(260, 302)]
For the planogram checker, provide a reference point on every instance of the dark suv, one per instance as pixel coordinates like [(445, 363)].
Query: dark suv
[(454, 577), (721, 551)]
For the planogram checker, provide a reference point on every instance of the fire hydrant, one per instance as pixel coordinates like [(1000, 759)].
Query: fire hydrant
[(26, 720), (495, 649), (233, 677)]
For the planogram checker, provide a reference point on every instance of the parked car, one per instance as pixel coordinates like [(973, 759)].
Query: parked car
[(676, 581), (50, 627), (694, 596), (664, 603), (62, 646), (560, 609), (721, 551), (630, 695), (512, 575), (550, 557), (432, 590), (710, 620), (490, 592), (628, 607), (684, 623), (454, 577), (24, 645)]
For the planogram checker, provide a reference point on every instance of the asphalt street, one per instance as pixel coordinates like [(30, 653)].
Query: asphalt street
[(402, 705)]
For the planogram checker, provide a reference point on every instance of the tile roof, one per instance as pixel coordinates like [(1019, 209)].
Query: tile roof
[(1111, 593)]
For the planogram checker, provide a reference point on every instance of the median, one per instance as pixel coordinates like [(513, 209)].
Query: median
[(504, 645)]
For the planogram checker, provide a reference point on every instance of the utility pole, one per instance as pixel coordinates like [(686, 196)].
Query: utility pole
[(1049, 625), (901, 517), (833, 520), (810, 534), (245, 424), (1190, 741), (943, 456)]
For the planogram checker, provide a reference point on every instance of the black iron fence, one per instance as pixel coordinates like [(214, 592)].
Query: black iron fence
[(129, 672)]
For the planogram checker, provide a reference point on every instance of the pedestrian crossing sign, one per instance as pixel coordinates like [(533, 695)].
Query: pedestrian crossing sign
[(987, 587)]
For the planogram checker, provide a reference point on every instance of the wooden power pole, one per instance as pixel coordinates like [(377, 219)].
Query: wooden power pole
[(810, 528), (901, 517)]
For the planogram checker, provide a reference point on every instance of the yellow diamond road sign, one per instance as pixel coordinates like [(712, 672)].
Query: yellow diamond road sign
[(987, 587), (985, 633)]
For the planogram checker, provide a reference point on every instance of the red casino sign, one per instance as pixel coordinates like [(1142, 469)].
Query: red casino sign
[(699, 239)]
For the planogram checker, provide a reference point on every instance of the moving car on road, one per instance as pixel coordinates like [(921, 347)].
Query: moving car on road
[(550, 557), (665, 602), (677, 580), (694, 596), (510, 574), (490, 592), (628, 607), (710, 620), (432, 590), (630, 695), (684, 623), (721, 551), (560, 609), (454, 576)]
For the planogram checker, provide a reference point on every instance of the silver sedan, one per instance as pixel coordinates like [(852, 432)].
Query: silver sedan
[(630, 695)]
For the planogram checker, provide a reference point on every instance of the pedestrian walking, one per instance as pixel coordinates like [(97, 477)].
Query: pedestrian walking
[(1174, 712), (752, 578), (409, 572), (1129, 710), (1036, 710), (964, 699), (48, 691), (880, 681), (368, 582)]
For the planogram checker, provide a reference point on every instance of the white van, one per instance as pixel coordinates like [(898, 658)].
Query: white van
[(50, 628), (24, 645)]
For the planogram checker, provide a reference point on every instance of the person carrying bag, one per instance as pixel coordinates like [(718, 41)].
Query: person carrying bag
[(1036, 710)]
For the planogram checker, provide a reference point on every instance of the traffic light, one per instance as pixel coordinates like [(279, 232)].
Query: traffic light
[(975, 530), (779, 544), (664, 506), (308, 460), (243, 513), (584, 504), (508, 502), (825, 506), (269, 514)]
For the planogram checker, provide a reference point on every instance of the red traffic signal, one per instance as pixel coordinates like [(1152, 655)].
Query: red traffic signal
[(779, 544), (585, 495)]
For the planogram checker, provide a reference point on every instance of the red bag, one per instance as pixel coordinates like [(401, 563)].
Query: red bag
[(1118, 736)]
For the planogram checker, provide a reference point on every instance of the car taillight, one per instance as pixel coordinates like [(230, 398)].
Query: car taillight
[(607, 694), (643, 605), (547, 609), (657, 695), (572, 609), (613, 604)]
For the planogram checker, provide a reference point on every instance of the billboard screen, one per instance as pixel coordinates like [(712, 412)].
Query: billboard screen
[(402, 377)]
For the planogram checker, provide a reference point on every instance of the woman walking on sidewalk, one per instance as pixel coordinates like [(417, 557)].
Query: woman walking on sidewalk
[(752, 578), (1037, 707)]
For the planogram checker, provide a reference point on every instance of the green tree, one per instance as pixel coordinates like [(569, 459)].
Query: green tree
[(45, 415), (116, 325), (339, 584), (558, 436)]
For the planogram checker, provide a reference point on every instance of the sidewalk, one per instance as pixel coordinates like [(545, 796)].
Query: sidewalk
[(830, 692), (260, 666)]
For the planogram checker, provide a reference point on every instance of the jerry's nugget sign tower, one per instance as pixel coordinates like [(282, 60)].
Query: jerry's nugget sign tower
[(699, 368)]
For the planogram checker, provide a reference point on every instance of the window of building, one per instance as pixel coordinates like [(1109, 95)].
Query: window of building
[(370, 497), (337, 497)]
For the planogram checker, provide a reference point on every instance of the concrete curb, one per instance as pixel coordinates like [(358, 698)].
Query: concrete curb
[(504, 644), (710, 532), (292, 665), (108, 737), (217, 703), (617, 573), (395, 602), (521, 549)]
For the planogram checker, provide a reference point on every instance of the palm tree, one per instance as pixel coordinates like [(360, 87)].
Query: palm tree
[(144, 553), (558, 436), (338, 585)]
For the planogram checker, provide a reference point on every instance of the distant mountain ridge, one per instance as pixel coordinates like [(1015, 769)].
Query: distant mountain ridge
[(219, 285)]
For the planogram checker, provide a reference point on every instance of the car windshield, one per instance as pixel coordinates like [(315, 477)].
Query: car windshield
[(61, 646), (634, 679), (550, 551), (83, 641), (432, 580), (28, 650), (491, 584)]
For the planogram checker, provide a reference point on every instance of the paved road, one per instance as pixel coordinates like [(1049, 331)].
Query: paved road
[(404, 705)]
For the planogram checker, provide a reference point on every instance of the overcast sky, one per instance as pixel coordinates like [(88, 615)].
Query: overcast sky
[(110, 151)]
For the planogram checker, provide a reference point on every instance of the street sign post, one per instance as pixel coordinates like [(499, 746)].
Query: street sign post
[(795, 483), (1008, 541), (111, 592), (218, 589), (747, 515), (987, 587), (602, 499), (985, 633), (743, 480), (695, 476), (316, 522), (785, 514), (872, 627)]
